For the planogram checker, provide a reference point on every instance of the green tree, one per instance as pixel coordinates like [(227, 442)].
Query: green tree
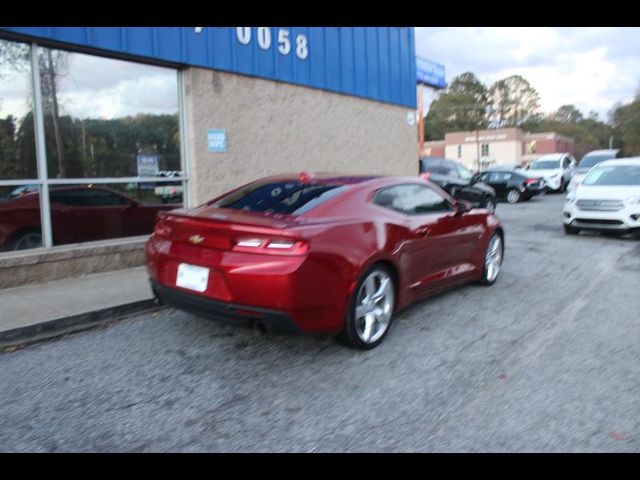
[(462, 106), (513, 102), (568, 114), (626, 126)]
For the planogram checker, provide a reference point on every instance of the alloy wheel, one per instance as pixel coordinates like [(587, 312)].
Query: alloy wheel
[(30, 240), (513, 196), (374, 306), (493, 258)]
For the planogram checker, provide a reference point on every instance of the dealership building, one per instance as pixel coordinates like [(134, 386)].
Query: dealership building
[(485, 148), (102, 127)]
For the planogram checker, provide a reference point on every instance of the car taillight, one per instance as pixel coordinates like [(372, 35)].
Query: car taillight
[(425, 175), (529, 181), (275, 246), (162, 229)]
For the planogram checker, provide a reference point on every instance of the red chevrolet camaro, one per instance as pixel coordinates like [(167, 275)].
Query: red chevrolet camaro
[(321, 254)]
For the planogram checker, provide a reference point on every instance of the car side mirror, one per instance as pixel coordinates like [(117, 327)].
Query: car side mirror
[(462, 207)]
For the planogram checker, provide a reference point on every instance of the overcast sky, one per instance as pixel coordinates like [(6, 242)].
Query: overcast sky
[(589, 67)]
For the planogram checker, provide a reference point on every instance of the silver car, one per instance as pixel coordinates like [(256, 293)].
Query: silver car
[(589, 160)]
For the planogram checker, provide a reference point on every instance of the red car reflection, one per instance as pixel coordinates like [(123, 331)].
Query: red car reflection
[(321, 254), (78, 214)]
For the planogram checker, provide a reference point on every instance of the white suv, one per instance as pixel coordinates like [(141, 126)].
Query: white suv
[(608, 198), (555, 168)]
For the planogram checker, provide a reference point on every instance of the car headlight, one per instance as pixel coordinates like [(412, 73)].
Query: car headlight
[(632, 200), (555, 176), (570, 199)]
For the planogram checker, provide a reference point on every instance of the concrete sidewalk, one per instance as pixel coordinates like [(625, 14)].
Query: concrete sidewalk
[(35, 312)]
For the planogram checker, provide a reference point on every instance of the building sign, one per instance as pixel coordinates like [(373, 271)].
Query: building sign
[(147, 165), (487, 138), (217, 140), (430, 73)]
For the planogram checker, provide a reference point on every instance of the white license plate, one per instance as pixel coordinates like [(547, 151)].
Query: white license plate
[(192, 277)]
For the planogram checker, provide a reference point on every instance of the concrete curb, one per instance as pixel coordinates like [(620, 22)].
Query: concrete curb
[(74, 323)]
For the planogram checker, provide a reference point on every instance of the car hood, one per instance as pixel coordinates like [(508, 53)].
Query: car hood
[(607, 192), (544, 173)]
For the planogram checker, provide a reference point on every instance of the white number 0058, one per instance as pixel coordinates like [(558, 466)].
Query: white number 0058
[(284, 42)]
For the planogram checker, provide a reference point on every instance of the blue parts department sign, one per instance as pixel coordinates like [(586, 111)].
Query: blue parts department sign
[(217, 140), (147, 165), (430, 73)]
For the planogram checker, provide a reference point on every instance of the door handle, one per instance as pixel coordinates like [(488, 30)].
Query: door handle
[(423, 231)]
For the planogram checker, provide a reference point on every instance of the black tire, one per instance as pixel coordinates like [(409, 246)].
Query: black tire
[(563, 186), (349, 333), (485, 279), (571, 230), (489, 203), (513, 196), (27, 239)]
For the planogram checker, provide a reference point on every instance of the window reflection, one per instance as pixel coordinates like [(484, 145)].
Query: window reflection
[(20, 217), (83, 213), (17, 145), (102, 115)]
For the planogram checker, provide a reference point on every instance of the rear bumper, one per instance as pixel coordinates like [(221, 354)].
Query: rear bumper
[(241, 315)]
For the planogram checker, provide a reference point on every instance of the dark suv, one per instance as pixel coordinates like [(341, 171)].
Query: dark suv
[(458, 181)]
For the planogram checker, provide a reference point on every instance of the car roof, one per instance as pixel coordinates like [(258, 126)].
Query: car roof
[(620, 161), (612, 151), (552, 156), (333, 178)]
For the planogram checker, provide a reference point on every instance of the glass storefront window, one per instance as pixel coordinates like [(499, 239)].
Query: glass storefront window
[(17, 144), (106, 117), (88, 212), (20, 217), (103, 120)]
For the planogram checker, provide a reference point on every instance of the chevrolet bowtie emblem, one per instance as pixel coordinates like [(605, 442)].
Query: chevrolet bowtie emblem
[(196, 239)]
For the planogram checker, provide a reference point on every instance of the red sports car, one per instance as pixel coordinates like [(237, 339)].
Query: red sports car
[(321, 254)]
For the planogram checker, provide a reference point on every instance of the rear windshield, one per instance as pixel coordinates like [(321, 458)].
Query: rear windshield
[(614, 175), (545, 164), (591, 160), (279, 197)]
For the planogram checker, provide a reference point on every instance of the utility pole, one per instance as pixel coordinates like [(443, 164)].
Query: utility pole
[(420, 123), (478, 146)]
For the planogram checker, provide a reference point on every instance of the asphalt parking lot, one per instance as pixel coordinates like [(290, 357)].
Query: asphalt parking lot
[(545, 360)]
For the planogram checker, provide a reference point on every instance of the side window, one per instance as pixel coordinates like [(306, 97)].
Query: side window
[(499, 177), (100, 198), (444, 170), (448, 171), (566, 162), (412, 199)]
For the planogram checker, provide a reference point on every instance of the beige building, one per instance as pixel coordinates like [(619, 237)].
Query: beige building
[(275, 127), (484, 148)]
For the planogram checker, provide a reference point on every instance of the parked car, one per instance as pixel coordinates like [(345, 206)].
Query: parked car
[(608, 199), (512, 185), (589, 160), (321, 254), (457, 181), (170, 191), (555, 168), (78, 214)]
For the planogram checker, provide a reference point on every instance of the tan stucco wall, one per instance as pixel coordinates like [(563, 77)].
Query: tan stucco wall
[(275, 127)]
